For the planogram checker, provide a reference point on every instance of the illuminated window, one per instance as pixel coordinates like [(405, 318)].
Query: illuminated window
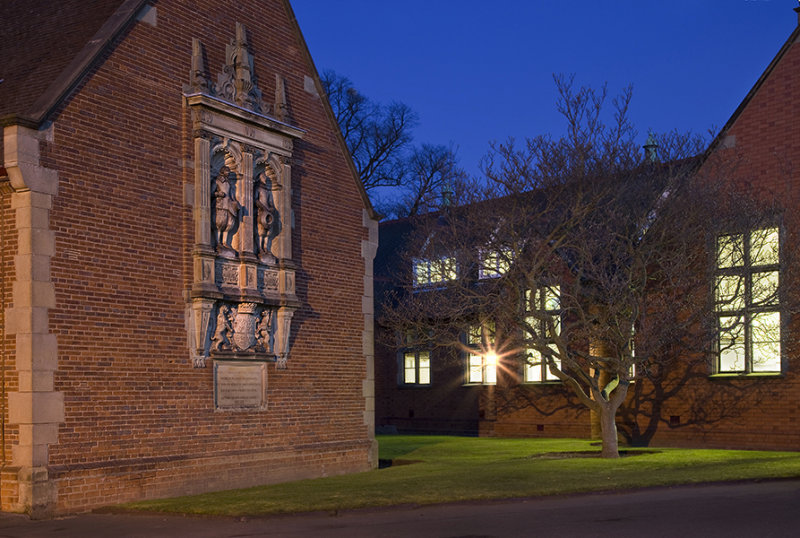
[(748, 302), (416, 368), (546, 302), (432, 272), (481, 358), (494, 263)]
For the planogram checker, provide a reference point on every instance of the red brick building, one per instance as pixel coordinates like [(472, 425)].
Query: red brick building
[(186, 250), (748, 396)]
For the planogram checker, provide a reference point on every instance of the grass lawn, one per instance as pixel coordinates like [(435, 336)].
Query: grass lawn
[(435, 469)]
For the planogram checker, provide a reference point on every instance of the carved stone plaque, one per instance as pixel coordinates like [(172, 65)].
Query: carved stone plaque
[(230, 275), (240, 385), (271, 280)]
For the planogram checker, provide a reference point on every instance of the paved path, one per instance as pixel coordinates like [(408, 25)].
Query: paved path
[(734, 510)]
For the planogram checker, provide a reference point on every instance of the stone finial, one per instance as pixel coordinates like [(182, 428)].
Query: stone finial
[(237, 83), (198, 80), (281, 106)]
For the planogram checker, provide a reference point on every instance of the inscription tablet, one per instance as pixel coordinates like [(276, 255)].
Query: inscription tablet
[(240, 385)]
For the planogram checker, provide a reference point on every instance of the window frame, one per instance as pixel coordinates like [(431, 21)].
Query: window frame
[(500, 265), (742, 307), (403, 369), (481, 350), (449, 267), (540, 296)]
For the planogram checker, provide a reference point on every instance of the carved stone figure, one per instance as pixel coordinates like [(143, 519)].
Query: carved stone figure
[(264, 330), (223, 334), (265, 215), (227, 210)]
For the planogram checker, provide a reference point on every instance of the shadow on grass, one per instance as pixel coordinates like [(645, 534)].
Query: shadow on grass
[(385, 464), (394, 447), (588, 454)]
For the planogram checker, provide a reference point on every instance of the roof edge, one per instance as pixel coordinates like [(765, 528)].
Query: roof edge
[(793, 37), (72, 74), (329, 112)]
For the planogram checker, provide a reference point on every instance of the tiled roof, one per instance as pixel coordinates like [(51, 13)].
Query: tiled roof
[(41, 45)]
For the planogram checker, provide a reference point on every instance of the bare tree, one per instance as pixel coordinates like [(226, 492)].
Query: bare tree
[(582, 259), (430, 178), (379, 138)]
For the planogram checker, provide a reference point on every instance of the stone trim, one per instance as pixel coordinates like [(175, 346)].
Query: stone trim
[(369, 248), (35, 407)]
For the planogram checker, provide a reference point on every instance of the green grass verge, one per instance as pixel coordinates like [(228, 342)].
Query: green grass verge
[(447, 469)]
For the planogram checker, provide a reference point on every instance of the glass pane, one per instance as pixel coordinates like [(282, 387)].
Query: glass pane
[(494, 264), (547, 374), (409, 368), (730, 292), (766, 337), (474, 335), (552, 300), (765, 288), (421, 276), (764, 246), (436, 271), (556, 324), (490, 375), (490, 332), (533, 366), (504, 263), (730, 251), (448, 269), (731, 344), (424, 368), (475, 368)]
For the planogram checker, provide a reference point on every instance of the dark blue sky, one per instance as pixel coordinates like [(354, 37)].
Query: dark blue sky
[(477, 71)]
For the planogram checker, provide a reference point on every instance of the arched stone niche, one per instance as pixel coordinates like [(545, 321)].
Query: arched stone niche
[(242, 295)]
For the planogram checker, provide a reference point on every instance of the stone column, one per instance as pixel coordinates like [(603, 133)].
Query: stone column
[(202, 193), (283, 251), (204, 254), (248, 271), (244, 193), (35, 407)]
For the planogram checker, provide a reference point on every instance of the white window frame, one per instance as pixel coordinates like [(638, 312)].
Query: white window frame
[(427, 274), (739, 273)]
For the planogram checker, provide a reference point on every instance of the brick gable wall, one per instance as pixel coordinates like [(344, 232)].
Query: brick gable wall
[(139, 419)]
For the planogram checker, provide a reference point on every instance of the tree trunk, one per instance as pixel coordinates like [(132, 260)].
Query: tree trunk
[(599, 348), (608, 425), (596, 431)]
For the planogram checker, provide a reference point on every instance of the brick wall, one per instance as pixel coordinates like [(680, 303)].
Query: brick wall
[(140, 421)]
